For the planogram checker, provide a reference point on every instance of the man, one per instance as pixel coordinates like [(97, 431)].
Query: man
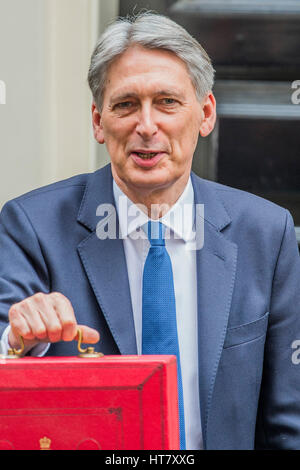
[(237, 294)]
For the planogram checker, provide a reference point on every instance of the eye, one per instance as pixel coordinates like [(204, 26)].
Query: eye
[(124, 105), (168, 101)]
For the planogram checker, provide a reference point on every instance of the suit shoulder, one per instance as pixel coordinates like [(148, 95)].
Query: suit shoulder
[(78, 181), (236, 201), (49, 201)]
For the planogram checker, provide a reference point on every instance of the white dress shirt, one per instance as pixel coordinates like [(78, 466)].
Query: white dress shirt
[(179, 243)]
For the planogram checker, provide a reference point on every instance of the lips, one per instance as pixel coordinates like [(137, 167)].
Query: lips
[(147, 158), (146, 155)]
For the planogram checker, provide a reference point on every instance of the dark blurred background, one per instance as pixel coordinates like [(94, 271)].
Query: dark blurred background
[(255, 49)]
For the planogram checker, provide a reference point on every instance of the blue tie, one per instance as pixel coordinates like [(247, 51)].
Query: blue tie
[(159, 334)]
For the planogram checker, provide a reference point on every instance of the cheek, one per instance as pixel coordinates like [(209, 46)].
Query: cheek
[(114, 135), (185, 126), (118, 128), (184, 140)]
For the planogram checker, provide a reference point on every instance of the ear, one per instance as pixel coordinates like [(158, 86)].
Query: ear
[(97, 126), (209, 115)]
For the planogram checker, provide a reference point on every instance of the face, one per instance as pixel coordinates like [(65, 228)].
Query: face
[(150, 122)]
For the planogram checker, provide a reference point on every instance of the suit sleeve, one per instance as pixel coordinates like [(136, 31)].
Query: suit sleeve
[(278, 423), (23, 271)]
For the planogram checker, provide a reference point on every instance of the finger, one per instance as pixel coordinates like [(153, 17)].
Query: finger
[(53, 325), (35, 321), (42, 304), (19, 327), (19, 324), (89, 335), (65, 313)]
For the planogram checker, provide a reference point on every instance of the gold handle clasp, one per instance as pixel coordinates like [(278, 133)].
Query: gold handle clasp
[(89, 351), (13, 353)]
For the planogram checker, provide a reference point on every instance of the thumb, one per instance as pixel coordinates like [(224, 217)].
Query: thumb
[(89, 335)]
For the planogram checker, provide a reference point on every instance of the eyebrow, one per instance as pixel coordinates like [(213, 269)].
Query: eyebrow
[(166, 92)]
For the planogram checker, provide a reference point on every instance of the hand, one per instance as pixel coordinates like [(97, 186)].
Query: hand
[(46, 318)]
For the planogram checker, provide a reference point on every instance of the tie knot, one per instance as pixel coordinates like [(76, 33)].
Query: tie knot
[(156, 233)]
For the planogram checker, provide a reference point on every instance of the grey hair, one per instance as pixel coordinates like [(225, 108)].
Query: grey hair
[(151, 31)]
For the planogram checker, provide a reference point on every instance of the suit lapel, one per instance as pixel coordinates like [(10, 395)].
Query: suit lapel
[(104, 261), (216, 269)]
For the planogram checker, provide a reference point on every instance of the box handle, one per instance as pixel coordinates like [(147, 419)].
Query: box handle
[(13, 353), (89, 352)]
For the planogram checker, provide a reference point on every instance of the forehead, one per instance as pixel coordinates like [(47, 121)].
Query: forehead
[(142, 71)]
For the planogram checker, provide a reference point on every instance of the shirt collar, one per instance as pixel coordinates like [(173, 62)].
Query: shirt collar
[(179, 219)]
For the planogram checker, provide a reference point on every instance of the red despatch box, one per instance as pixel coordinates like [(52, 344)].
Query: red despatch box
[(108, 403)]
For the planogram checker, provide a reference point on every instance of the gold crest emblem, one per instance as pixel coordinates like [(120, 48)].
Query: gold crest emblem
[(45, 443)]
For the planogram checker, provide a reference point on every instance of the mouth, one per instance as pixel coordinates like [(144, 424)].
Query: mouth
[(147, 158)]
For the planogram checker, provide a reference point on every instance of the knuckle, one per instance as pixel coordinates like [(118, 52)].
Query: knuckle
[(15, 311), (69, 331), (69, 323), (27, 334), (57, 296), (40, 332), (39, 299), (61, 298), (38, 296), (54, 329), (54, 336)]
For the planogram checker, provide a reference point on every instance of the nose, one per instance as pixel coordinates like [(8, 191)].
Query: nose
[(146, 126)]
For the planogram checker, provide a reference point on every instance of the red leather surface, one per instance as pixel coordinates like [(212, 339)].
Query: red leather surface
[(110, 403)]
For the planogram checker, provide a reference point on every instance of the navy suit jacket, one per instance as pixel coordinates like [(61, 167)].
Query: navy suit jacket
[(248, 276)]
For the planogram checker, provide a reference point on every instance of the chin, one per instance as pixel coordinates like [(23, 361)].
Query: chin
[(152, 176), (162, 182)]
